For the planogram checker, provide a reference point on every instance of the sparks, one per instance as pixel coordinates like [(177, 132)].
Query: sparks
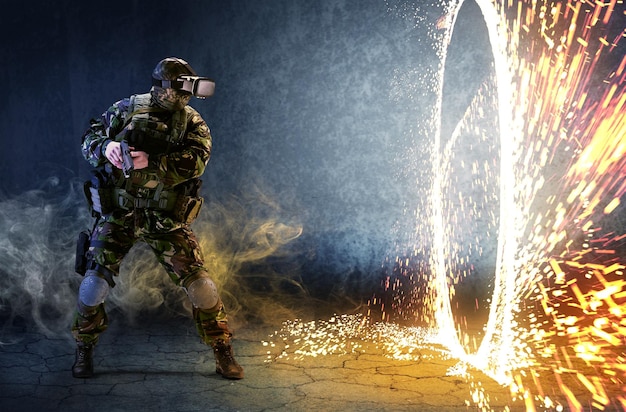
[(553, 161)]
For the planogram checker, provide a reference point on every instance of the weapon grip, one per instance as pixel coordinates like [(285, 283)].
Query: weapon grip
[(127, 160)]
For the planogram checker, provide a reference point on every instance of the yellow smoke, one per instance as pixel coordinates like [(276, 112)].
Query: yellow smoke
[(238, 237)]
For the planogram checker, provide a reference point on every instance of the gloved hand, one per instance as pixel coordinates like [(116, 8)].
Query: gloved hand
[(113, 153)]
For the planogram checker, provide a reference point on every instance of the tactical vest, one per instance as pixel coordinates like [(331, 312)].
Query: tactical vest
[(149, 132), (145, 130)]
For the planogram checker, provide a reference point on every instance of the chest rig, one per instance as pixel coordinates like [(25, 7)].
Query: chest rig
[(156, 132), (152, 129)]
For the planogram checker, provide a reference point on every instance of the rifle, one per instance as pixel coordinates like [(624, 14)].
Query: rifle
[(127, 160)]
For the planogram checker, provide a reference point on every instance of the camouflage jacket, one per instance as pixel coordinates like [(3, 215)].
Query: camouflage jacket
[(184, 160)]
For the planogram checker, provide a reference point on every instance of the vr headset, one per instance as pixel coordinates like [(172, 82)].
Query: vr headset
[(200, 87)]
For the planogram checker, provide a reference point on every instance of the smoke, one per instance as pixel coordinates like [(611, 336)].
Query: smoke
[(37, 254), (244, 241)]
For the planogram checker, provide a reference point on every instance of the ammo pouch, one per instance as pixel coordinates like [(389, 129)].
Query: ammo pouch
[(156, 200), (187, 209), (189, 202), (82, 246), (180, 206)]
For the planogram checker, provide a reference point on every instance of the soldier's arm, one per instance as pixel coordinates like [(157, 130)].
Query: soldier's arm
[(101, 132)]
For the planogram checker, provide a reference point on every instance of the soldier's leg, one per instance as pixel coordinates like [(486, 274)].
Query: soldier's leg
[(180, 254), (108, 245), (211, 320), (90, 321)]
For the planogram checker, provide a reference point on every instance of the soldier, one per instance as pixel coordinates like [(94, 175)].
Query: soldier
[(149, 151)]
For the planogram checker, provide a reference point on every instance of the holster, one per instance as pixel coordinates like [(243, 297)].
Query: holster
[(82, 247)]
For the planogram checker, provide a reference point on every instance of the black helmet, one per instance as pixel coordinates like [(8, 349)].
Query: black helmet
[(177, 74), (171, 68)]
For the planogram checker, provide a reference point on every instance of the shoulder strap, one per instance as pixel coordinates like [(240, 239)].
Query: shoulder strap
[(143, 107), (179, 124)]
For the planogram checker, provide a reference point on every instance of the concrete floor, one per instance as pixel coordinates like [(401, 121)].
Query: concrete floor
[(162, 366)]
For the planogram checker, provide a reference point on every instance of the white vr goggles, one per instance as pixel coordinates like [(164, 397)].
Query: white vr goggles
[(200, 87)]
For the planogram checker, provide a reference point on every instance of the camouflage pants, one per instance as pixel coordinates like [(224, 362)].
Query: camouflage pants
[(177, 250)]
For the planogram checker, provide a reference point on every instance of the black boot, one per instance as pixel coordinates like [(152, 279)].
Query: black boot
[(225, 363), (83, 367)]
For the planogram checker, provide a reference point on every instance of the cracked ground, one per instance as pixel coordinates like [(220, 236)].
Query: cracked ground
[(161, 365)]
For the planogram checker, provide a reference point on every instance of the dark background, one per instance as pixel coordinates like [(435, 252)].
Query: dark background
[(322, 123), (317, 118)]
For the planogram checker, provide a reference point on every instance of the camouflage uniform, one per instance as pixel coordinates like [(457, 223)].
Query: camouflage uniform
[(174, 166)]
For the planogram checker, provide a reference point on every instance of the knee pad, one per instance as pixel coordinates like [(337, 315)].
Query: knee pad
[(93, 289), (203, 293)]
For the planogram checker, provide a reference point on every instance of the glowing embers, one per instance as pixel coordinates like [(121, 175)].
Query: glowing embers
[(559, 293), (469, 187), (474, 211), (346, 334), (554, 163)]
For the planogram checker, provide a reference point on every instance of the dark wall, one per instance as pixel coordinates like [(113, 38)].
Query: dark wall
[(322, 122), (314, 117)]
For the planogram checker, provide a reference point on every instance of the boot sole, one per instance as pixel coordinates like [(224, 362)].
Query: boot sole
[(82, 376), (231, 377)]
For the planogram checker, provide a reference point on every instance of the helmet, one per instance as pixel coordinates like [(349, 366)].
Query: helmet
[(171, 68), (167, 90), (174, 81)]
